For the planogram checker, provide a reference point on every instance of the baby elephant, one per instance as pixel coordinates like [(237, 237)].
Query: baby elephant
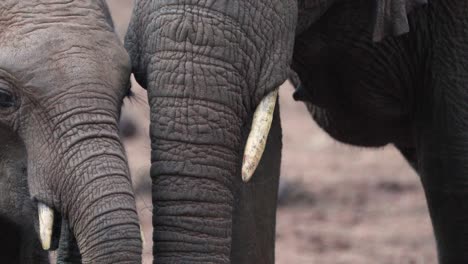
[(63, 169)]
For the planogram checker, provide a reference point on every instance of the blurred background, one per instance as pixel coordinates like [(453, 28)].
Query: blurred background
[(338, 204)]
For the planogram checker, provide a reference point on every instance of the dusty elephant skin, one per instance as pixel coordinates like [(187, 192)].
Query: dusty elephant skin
[(207, 65), (63, 76)]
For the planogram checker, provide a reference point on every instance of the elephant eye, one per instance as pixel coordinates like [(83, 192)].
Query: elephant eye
[(6, 99)]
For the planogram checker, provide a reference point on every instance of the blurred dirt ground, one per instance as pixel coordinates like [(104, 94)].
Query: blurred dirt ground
[(339, 204)]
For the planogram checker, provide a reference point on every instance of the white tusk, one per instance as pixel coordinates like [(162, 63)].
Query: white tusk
[(256, 142), (143, 240), (46, 224)]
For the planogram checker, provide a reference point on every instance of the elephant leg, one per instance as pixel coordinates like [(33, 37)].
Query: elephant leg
[(32, 244), (443, 130), (254, 222), (68, 251)]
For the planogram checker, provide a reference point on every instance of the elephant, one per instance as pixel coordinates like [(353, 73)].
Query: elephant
[(64, 177), (411, 91), (372, 72)]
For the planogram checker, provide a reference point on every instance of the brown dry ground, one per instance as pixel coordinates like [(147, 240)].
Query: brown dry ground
[(339, 204)]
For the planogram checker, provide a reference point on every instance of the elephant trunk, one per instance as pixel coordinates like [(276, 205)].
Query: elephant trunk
[(195, 93), (197, 114), (84, 178), (101, 210), (196, 160), (206, 70)]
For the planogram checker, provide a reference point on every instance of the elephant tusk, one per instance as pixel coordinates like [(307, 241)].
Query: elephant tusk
[(143, 240), (46, 224), (256, 141)]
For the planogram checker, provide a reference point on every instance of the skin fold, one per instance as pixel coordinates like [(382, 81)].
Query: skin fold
[(63, 76), (371, 72)]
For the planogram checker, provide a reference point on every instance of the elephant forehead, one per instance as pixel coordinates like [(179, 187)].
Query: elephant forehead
[(63, 58), (30, 14)]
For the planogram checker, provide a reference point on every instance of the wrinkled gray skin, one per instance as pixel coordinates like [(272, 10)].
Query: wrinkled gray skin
[(63, 76), (206, 69), (207, 64)]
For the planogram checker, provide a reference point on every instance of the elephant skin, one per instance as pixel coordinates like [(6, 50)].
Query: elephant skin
[(372, 72), (63, 76), (206, 69)]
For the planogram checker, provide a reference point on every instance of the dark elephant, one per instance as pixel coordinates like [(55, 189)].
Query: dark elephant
[(409, 90), (208, 64), (63, 168)]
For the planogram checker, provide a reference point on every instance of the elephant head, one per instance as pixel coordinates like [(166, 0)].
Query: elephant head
[(63, 76), (207, 65)]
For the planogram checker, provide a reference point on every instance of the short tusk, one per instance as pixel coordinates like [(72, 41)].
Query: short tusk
[(256, 142), (143, 240), (46, 224)]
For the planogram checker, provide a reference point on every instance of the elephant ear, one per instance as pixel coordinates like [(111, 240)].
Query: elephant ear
[(391, 17)]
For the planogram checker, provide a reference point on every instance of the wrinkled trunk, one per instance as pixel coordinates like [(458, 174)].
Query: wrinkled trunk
[(102, 211), (197, 115), (194, 164), (196, 144), (203, 212), (198, 129), (206, 69), (443, 140), (80, 170)]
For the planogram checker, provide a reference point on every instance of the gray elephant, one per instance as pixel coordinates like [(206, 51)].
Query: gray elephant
[(372, 71), (63, 169)]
